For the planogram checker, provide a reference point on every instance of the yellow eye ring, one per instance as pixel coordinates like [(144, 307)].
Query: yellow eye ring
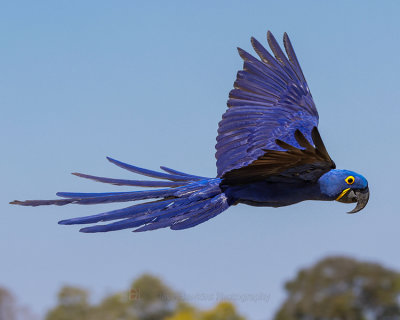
[(350, 180)]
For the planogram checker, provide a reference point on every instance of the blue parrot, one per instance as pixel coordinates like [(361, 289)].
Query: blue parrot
[(269, 153)]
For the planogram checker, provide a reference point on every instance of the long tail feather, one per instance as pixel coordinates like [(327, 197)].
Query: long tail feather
[(35, 203), (180, 173), (217, 205), (97, 198), (144, 218), (214, 207), (164, 223), (120, 213), (137, 183), (149, 173), (184, 201)]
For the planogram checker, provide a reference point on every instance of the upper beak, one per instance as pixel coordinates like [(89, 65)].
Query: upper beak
[(360, 196)]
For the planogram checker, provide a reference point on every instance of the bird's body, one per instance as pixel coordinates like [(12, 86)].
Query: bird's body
[(269, 153), (270, 194)]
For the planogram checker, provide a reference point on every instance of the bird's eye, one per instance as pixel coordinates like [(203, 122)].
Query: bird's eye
[(350, 180)]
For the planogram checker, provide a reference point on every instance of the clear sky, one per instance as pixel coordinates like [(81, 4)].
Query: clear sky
[(147, 83)]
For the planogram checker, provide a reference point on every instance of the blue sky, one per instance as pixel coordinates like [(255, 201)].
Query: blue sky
[(147, 83)]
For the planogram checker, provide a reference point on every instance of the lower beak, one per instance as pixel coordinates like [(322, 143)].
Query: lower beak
[(359, 196)]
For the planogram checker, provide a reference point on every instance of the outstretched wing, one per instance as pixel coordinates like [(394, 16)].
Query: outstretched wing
[(270, 101)]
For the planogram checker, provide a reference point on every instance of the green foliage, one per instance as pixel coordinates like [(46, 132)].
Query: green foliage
[(72, 304), (116, 306), (154, 299), (342, 288), (223, 311), (147, 299)]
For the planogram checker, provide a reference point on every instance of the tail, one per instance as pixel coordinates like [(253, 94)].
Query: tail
[(185, 201)]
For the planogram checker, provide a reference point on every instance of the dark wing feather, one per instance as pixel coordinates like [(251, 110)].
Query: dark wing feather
[(307, 163), (270, 101)]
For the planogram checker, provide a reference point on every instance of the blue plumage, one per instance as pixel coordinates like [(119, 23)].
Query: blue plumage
[(269, 153)]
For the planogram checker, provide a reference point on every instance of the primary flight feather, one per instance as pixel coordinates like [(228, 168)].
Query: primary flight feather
[(269, 153)]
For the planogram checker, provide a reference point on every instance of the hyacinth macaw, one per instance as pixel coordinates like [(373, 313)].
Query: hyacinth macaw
[(269, 153)]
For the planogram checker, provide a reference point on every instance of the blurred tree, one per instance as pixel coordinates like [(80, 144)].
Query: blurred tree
[(148, 299), (152, 299), (116, 306), (185, 313), (342, 288), (223, 311), (72, 304), (7, 305)]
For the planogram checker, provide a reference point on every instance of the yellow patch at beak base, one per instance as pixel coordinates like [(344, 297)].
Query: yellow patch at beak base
[(342, 194)]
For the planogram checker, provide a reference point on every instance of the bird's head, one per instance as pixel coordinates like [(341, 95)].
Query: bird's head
[(345, 186)]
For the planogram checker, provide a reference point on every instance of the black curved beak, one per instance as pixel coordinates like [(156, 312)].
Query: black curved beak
[(360, 196)]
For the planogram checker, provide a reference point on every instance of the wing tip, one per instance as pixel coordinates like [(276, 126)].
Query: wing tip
[(286, 41), (270, 36), (242, 53), (254, 42)]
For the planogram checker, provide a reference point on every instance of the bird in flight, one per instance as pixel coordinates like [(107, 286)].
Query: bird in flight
[(269, 153)]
